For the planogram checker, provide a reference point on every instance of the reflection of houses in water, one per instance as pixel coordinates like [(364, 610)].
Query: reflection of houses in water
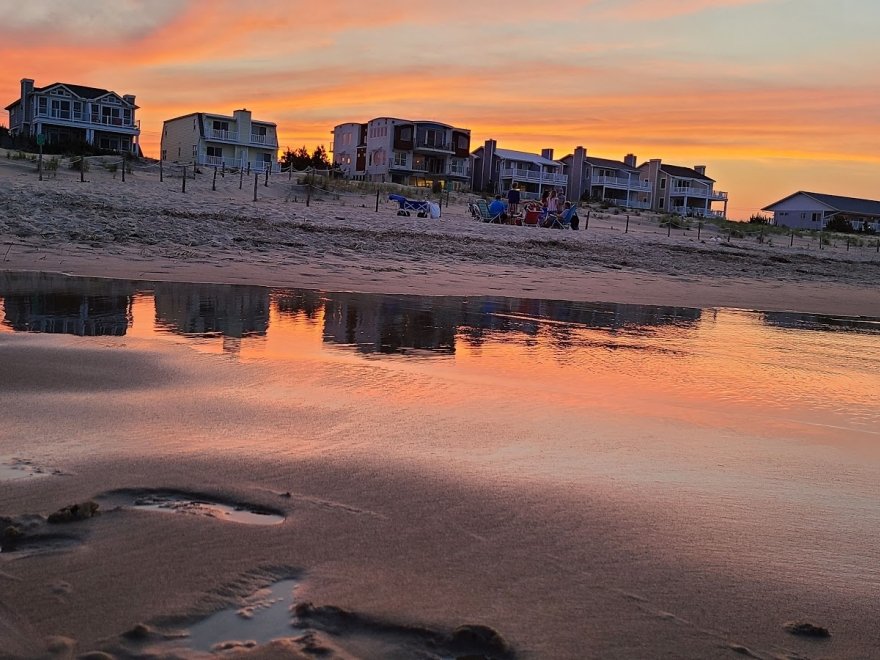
[(293, 302), (389, 324), (791, 320), (39, 302), (212, 310), (487, 317)]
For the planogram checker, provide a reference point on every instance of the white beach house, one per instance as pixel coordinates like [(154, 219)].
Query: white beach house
[(496, 170), (809, 210), (416, 153), (213, 140), (65, 113), (681, 190), (606, 180)]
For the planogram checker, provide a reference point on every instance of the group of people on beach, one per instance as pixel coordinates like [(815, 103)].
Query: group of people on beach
[(552, 211)]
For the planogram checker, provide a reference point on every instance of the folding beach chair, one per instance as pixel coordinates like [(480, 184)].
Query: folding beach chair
[(563, 220), (485, 216)]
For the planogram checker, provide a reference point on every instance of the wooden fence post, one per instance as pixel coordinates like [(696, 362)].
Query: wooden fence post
[(626, 228), (266, 183), (214, 180), (184, 179), (377, 200), (161, 175), (256, 183)]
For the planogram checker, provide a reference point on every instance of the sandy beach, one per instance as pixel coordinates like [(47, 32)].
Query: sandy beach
[(378, 483), (144, 229)]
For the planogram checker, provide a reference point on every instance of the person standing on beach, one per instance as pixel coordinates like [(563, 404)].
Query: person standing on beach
[(513, 199)]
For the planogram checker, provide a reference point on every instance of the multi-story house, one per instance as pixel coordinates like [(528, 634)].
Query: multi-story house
[(415, 153), (65, 113), (496, 170), (810, 210), (681, 190), (601, 179), (211, 140)]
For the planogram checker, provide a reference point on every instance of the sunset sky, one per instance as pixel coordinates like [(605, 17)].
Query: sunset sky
[(771, 95)]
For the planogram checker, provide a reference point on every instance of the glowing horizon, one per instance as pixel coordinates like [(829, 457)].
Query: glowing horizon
[(773, 96)]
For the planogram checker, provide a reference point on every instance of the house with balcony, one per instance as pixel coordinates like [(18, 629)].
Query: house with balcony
[(496, 170), (680, 190), (231, 142), (414, 153), (605, 180), (67, 114), (809, 210)]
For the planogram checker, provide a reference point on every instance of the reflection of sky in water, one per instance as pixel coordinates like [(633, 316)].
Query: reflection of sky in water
[(265, 616), (702, 366)]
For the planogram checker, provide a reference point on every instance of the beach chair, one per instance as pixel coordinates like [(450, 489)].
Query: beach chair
[(532, 215), (485, 216), (563, 220)]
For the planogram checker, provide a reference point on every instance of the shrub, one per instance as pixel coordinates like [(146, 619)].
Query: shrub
[(839, 224), (758, 219)]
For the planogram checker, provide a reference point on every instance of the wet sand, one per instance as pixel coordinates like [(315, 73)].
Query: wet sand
[(385, 517)]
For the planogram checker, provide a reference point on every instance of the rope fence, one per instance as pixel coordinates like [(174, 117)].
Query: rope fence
[(310, 185)]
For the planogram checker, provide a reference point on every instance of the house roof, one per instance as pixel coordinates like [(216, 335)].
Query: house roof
[(510, 154), (80, 90), (684, 172), (838, 203), (607, 162)]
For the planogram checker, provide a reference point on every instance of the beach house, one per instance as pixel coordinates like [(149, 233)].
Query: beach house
[(68, 114), (213, 140), (497, 170), (681, 190), (605, 180), (415, 153), (809, 210)]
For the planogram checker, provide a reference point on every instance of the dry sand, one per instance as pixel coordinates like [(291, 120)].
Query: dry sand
[(144, 229), (561, 571)]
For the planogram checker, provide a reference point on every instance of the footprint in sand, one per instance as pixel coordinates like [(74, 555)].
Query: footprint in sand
[(191, 504)]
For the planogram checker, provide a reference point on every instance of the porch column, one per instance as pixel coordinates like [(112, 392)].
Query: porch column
[(90, 135)]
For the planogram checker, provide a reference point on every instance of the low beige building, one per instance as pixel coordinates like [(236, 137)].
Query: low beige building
[(212, 140)]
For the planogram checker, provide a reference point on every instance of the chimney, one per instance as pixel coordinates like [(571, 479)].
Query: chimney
[(487, 168), (243, 123), (129, 98), (27, 88), (700, 169), (576, 180), (547, 153), (630, 160)]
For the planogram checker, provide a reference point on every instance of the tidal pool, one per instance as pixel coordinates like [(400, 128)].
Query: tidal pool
[(736, 446)]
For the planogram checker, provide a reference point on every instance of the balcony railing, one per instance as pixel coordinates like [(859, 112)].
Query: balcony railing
[(268, 140), (226, 136), (425, 144), (696, 212), (534, 176), (620, 182), (701, 193), (85, 118), (237, 163)]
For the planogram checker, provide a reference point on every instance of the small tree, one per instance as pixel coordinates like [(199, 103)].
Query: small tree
[(319, 158), (298, 159), (839, 224), (758, 219)]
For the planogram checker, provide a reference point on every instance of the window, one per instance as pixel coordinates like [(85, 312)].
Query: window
[(42, 104), (463, 142), (221, 125), (267, 158), (260, 131), (216, 152), (406, 133), (400, 158), (661, 202), (663, 183), (164, 154), (817, 217)]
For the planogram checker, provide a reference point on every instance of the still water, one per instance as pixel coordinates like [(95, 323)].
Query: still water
[(814, 372)]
